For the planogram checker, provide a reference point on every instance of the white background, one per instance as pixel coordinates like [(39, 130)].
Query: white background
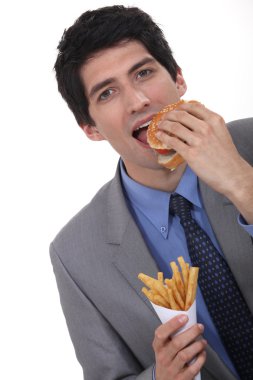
[(49, 170)]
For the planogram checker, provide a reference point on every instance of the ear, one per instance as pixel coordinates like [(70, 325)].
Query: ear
[(92, 132), (180, 83)]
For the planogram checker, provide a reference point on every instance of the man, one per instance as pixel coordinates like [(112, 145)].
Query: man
[(116, 71)]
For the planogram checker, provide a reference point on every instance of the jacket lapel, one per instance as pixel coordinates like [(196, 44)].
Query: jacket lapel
[(133, 258), (132, 255), (235, 243)]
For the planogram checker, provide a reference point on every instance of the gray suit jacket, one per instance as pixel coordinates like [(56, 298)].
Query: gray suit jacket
[(97, 257)]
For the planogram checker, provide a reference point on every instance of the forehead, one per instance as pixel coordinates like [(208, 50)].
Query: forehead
[(112, 62)]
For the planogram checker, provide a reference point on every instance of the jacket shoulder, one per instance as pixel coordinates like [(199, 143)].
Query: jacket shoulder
[(83, 224), (241, 126), (242, 135)]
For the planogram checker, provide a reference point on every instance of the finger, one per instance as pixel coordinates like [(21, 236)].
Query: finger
[(193, 126), (172, 142), (194, 368), (182, 132), (182, 340), (199, 111), (164, 332), (186, 357), (196, 109), (185, 118), (189, 353)]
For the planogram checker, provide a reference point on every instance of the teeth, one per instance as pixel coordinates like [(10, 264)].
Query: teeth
[(143, 126)]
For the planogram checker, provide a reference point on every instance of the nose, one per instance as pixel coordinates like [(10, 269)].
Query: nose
[(136, 100)]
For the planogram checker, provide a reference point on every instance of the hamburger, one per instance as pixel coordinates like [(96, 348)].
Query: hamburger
[(168, 158)]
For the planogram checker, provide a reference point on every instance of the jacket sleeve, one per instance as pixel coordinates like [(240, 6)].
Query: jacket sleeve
[(99, 349)]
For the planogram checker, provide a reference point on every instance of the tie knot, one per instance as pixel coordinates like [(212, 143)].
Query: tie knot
[(180, 206)]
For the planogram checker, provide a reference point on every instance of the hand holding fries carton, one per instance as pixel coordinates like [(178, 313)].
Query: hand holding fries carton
[(171, 297)]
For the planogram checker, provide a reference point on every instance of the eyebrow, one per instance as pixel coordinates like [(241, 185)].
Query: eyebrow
[(106, 82)]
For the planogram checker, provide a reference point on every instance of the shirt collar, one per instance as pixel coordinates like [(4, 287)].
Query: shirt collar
[(188, 187), (153, 203)]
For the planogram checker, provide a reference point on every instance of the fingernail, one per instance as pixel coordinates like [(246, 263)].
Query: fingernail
[(201, 326), (183, 318)]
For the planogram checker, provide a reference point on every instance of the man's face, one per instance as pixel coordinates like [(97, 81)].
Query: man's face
[(126, 87)]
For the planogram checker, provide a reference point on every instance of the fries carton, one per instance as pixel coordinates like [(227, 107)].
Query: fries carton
[(166, 314), (171, 297)]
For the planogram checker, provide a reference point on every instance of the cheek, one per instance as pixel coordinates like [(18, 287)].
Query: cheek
[(169, 88), (108, 119), (159, 92), (107, 126)]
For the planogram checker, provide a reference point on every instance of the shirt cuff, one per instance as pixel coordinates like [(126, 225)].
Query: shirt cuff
[(247, 227), (153, 373)]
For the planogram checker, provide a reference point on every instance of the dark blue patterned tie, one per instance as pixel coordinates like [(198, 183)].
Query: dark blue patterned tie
[(223, 298)]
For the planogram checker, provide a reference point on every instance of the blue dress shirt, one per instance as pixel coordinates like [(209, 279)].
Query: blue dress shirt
[(165, 237)]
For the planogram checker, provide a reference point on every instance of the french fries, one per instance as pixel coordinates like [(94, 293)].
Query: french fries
[(177, 293)]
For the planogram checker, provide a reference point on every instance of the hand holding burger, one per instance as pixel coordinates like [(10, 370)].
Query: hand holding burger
[(168, 158), (206, 144)]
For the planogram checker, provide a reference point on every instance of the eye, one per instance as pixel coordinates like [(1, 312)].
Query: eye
[(105, 94), (144, 73)]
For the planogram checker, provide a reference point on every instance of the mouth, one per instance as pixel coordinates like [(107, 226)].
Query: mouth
[(140, 133)]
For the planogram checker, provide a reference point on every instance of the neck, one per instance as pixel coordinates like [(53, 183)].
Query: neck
[(160, 179)]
